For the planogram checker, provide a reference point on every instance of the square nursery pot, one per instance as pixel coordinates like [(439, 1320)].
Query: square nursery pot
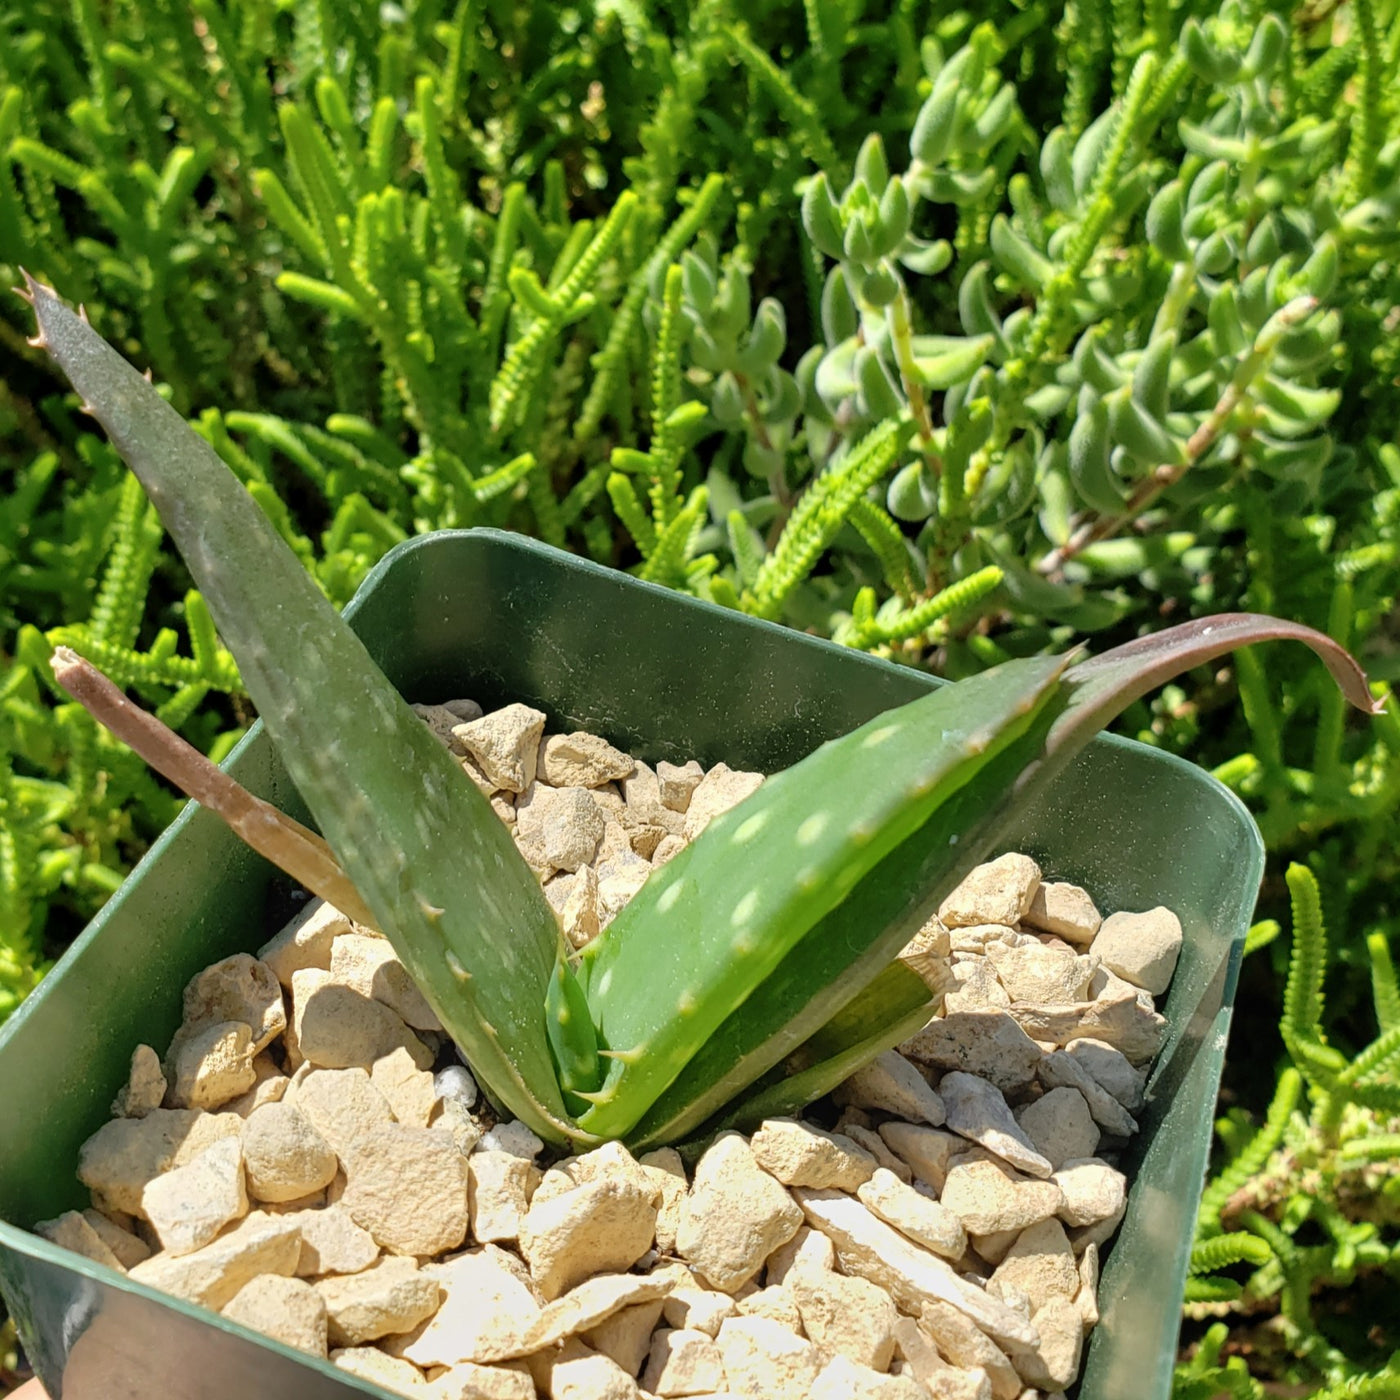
[(501, 618)]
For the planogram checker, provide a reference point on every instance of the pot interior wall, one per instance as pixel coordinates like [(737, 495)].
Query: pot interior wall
[(500, 618)]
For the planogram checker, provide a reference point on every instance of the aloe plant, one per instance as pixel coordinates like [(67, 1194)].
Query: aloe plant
[(755, 970)]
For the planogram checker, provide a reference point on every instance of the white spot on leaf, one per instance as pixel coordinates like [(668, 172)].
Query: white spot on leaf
[(810, 832), (876, 737), (743, 911)]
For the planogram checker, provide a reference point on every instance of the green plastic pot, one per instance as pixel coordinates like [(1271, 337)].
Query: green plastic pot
[(501, 618)]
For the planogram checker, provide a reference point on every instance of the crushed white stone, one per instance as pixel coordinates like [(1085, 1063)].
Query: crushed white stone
[(187, 1207), (285, 1309), (891, 1084), (239, 988), (499, 1188), (1141, 948), (368, 965), (720, 789), (331, 1242), (1034, 972), (1060, 1126), (305, 942), (441, 722), (870, 1249), (598, 1227), (999, 892), (511, 1381), (914, 1214), (513, 1137), (963, 1343), (1065, 910), (1092, 1192), (626, 1335), (801, 1155), (210, 1065), (735, 1216), (808, 1251), (270, 1086), (286, 1158), (73, 1231), (1054, 1363), (776, 1302), (855, 1124), (408, 1188), (506, 744), (986, 1043), (1041, 1264), (763, 1360), (117, 1161), (145, 1086), (393, 1295), (676, 783), (843, 1379), (978, 1111), (581, 760), (1112, 1069), (370, 1364), (849, 1317), (343, 1106), (336, 1027), (128, 1248), (258, 1244), (700, 1309), (558, 828), (486, 1308), (683, 1362), (886, 1257), (1059, 1070), (989, 1196), (667, 1174)]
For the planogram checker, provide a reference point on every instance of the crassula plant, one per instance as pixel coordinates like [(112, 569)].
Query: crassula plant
[(754, 971)]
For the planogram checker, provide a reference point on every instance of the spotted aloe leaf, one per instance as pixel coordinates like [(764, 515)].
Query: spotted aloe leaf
[(761, 1042), (466, 916), (742, 945), (784, 1025)]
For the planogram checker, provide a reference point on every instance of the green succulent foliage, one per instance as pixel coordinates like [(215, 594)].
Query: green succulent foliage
[(1124, 316), (1305, 1202), (652, 1034)]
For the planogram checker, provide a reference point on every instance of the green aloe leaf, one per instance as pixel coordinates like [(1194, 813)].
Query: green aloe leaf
[(437, 868), (916, 811), (895, 1006), (725, 924)]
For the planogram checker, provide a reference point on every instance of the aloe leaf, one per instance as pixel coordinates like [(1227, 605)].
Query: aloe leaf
[(833, 963), (421, 844), (826, 964), (709, 931), (895, 1006)]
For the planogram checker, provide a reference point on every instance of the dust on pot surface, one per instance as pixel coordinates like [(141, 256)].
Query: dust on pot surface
[(665, 678)]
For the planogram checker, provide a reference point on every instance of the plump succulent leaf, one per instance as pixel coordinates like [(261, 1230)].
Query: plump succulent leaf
[(852, 944), (895, 1006), (466, 915), (727, 919), (950, 771)]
